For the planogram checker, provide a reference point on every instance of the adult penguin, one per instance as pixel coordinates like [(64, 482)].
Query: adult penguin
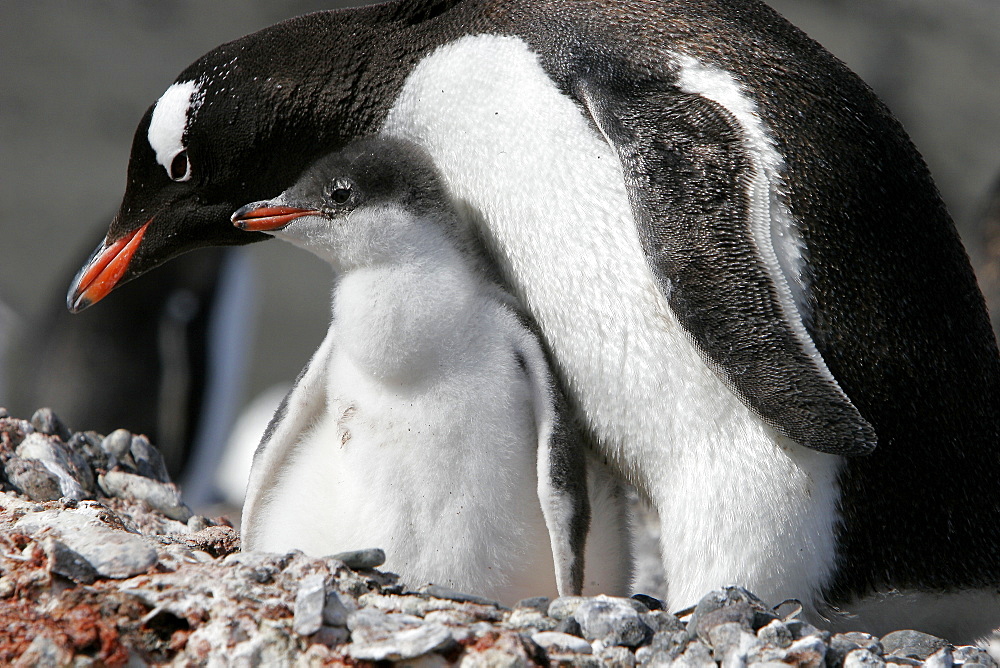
[(749, 285)]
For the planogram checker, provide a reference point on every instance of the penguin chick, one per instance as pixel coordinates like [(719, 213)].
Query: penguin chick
[(428, 422)]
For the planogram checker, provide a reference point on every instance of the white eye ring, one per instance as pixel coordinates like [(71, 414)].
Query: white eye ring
[(180, 166)]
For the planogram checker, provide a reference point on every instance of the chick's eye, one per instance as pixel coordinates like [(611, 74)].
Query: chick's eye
[(340, 195), (180, 167)]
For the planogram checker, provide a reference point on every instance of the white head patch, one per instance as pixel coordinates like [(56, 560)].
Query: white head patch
[(170, 118)]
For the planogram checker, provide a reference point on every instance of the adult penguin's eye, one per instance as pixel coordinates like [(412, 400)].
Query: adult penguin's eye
[(180, 167)]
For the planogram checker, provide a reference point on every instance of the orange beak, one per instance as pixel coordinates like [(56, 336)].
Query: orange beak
[(104, 270), (264, 218)]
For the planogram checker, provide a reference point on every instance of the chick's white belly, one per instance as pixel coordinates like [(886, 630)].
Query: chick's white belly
[(444, 481)]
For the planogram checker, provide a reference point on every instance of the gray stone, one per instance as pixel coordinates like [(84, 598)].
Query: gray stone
[(148, 460), (69, 468), (732, 643), (565, 606), (405, 644), (196, 523), (776, 634), (309, 601), (46, 422), (663, 648), (863, 658), (561, 643), (118, 444), (616, 657), (613, 621), (439, 591), (912, 644), (569, 626), (660, 621), (802, 629), (696, 655), (730, 604), (865, 641), (807, 652), (44, 652), (113, 553), (360, 559), (67, 563), (968, 654), (539, 603), (530, 620), (164, 497), (371, 625), (331, 636), (335, 612), (940, 659), (88, 445), (33, 479)]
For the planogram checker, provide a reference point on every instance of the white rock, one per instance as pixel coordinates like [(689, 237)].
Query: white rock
[(561, 643)]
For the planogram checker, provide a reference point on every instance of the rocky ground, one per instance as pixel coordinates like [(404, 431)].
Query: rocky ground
[(102, 564)]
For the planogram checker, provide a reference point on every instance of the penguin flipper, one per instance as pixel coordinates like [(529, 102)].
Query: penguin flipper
[(709, 216), (562, 471), (301, 407)]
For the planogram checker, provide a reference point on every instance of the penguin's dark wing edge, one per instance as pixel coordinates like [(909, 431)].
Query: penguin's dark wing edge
[(562, 472), (690, 176)]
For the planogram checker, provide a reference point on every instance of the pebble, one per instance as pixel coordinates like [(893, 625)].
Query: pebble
[(46, 422), (309, 602), (405, 644), (291, 609), (68, 563), (335, 611), (807, 652), (538, 603), (863, 658), (118, 443), (561, 643), (612, 621), (777, 634), (148, 460), (731, 604), (617, 657), (911, 644), (439, 591), (529, 619), (942, 658), (969, 654), (33, 479), (564, 606), (357, 559), (732, 643), (660, 621), (164, 497), (67, 466)]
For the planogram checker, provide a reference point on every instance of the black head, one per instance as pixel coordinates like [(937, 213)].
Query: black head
[(370, 172), (242, 122)]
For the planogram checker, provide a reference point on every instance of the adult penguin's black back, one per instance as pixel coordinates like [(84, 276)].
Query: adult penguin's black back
[(696, 203)]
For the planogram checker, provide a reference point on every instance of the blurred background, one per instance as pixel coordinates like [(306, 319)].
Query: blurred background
[(77, 76)]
